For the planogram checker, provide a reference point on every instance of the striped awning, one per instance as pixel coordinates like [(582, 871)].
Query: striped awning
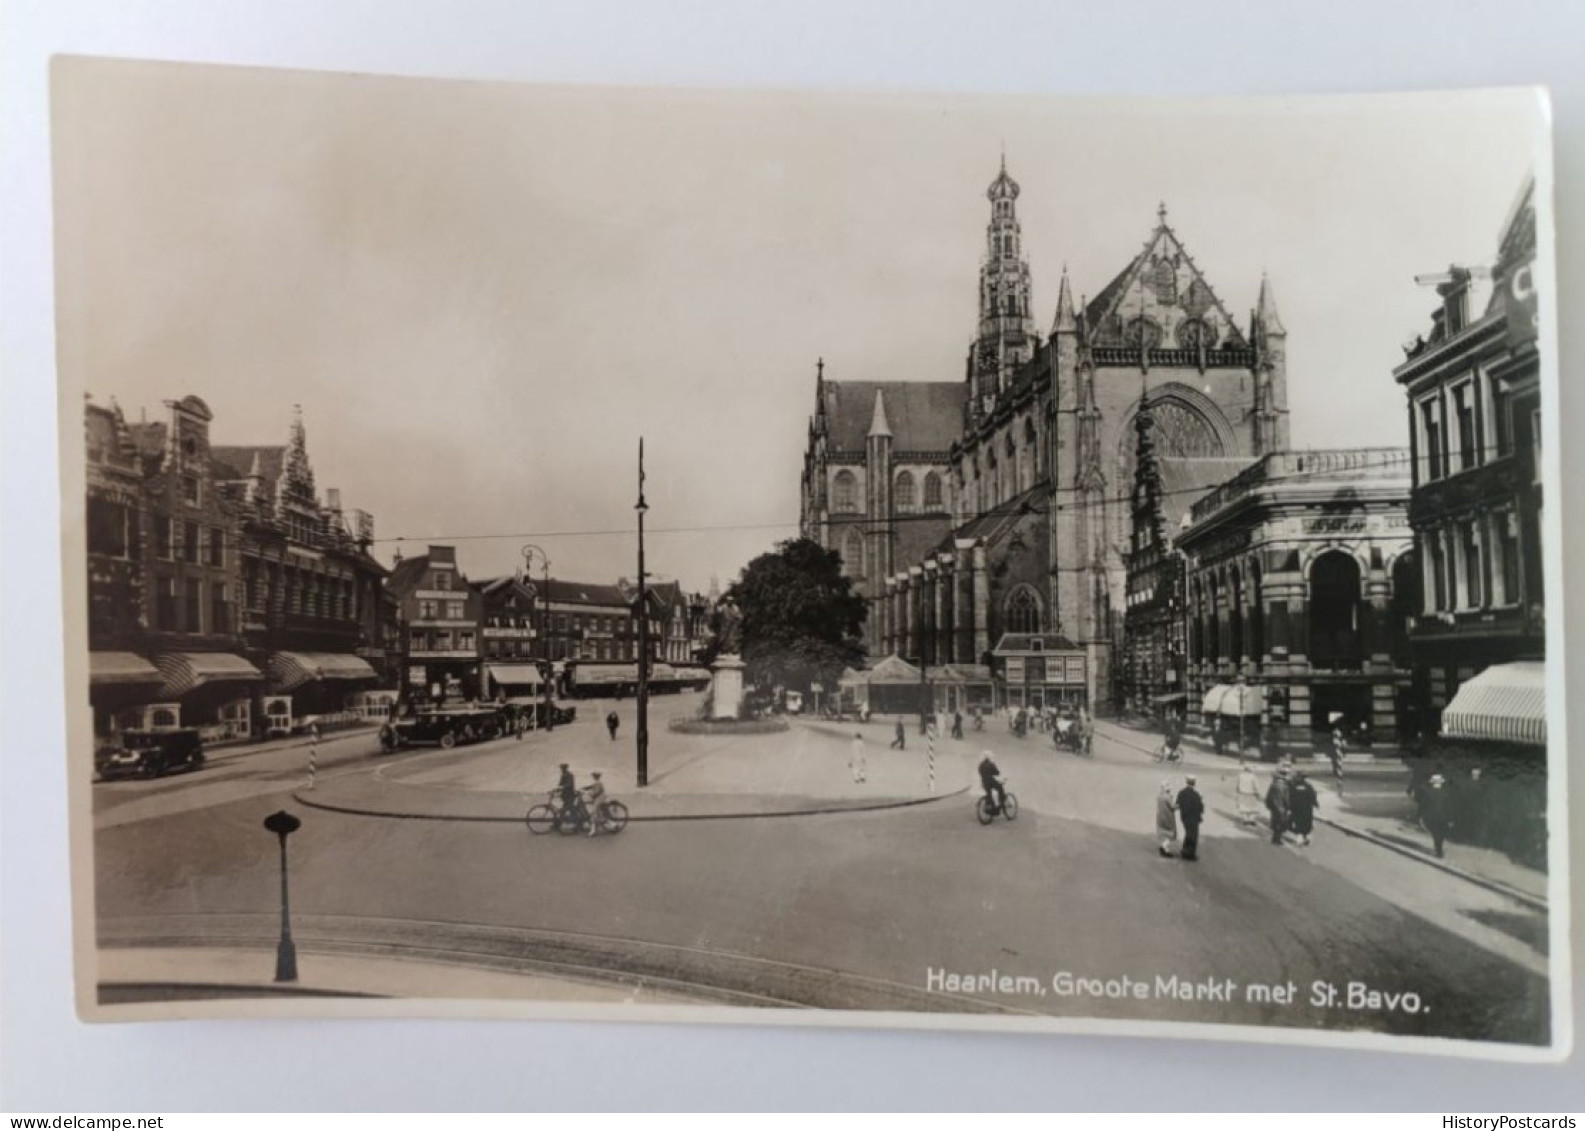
[(693, 673), (290, 670), (662, 671), (514, 675), (1506, 703), (188, 671), (1240, 700), (121, 669)]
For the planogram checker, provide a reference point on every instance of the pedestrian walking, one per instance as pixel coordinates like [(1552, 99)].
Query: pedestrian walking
[(957, 724), (1191, 811), (856, 762), (1302, 803), (1436, 810), (900, 738), (1166, 821), (1277, 804), (611, 723), (1218, 739), (1247, 795), (1339, 746)]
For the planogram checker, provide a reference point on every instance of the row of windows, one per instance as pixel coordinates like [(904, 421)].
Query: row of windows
[(435, 610), (182, 608), (112, 532), (1464, 424), (441, 640), (1472, 565), (845, 491)]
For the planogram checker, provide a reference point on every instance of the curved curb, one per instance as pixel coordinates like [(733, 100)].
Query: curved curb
[(1535, 903), (876, 807)]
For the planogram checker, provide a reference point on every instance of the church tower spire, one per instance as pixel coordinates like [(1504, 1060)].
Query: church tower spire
[(1007, 329)]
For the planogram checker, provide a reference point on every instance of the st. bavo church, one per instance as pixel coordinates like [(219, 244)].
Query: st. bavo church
[(987, 522)]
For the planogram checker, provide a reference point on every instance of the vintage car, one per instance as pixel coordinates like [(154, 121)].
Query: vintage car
[(532, 712), (446, 727), (149, 753)]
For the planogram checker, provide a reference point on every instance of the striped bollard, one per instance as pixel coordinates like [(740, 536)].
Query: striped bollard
[(313, 751), (930, 747)]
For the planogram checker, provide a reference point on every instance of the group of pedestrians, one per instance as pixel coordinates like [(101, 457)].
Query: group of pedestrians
[(1291, 802), (1186, 806)]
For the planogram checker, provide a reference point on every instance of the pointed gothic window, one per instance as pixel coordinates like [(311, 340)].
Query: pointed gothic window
[(853, 553), (1023, 611), (844, 493), (932, 491), (903, 493), (1166, 281)]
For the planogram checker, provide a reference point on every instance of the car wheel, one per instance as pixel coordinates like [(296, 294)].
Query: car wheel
[(196, 761), (448, 740)]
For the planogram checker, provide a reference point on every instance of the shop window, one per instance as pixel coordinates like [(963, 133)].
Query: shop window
[(1334, 611)]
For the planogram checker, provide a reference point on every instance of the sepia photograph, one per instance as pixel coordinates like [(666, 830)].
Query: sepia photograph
[(879, 560)]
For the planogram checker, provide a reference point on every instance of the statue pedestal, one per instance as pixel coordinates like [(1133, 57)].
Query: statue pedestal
[(726, 687)]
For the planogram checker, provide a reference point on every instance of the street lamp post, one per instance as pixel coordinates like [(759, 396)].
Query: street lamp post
[(529, 553), (642, 730), (283, 825)]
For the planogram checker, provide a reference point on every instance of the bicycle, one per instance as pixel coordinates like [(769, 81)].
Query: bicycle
[(987, 810), (554, 816)]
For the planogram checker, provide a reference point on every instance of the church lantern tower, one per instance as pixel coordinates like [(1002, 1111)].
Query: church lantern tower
[(1007, 328)]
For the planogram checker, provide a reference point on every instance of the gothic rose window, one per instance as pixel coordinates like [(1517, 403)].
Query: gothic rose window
[(1195, 333), (1142, 333)]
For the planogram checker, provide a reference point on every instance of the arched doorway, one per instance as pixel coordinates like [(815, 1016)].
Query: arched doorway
[(1334, 612)]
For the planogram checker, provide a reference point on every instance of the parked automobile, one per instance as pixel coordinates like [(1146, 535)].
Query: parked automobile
[(445, 727), (149, 753), (533, 713)]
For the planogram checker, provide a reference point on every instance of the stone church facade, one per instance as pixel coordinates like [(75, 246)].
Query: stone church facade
[(1001, 504)]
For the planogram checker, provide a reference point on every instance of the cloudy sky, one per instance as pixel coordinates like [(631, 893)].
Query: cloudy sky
[(482, 295)]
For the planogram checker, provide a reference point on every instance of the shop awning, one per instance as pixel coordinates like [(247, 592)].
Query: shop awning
[(1240, 700), (290, 670), (959, 673), (1171, 697), (691, 674), (188, 671), (1506, 702), (514, 675), (610, 673), (121, 669), (662, 671)]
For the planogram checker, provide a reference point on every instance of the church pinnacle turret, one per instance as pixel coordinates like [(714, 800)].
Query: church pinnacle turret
[(1006, 337)]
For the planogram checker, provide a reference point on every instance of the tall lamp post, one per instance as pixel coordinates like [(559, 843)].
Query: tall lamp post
[(530, 553), (642, 735), (283, 825)]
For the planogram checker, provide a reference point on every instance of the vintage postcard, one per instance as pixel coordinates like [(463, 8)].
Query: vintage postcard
[(1060, 566)]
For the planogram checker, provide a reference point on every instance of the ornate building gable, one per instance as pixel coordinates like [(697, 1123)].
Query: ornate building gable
[(1162, 302)]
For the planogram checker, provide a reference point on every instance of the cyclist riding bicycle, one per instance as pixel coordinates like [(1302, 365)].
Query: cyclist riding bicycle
[(567, 789), (596, 802), (991, 782)]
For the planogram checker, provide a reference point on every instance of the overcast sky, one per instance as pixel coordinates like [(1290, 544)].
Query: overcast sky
[(482, 294)]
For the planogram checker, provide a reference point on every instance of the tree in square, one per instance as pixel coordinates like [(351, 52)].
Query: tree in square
[(801, 621)]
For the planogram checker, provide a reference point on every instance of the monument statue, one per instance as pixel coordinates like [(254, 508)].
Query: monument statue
[(726, 671), (729, 628)]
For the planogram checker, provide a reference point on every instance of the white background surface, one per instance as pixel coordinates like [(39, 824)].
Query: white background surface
[(51, 1062)]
